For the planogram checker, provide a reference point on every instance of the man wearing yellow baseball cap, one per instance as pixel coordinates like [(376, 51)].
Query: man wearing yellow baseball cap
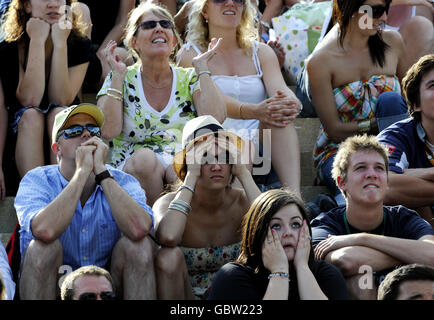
[(83, 212)]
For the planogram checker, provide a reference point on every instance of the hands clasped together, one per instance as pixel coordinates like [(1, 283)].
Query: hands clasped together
[(91, 155)]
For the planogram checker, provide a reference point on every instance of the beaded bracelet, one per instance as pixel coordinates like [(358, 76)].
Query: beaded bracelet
[(279, 274)]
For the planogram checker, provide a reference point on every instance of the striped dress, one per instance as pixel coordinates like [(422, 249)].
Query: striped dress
[(355, 101)]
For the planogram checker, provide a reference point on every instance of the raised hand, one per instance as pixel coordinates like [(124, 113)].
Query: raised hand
[(37, 29), (200, 62), (115, 62), (303, 246), (273, 254)]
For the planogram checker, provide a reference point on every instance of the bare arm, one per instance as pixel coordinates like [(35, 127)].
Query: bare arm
[(31, 85), (170, 224), (64, 82), (320, 80), (131, 218), (116, 32), (350, 259), (402, 250), (110, 106), (209, 99), (412, 189), (52, 221)]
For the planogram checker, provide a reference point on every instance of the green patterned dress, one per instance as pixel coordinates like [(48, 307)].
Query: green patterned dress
[(143, 126)]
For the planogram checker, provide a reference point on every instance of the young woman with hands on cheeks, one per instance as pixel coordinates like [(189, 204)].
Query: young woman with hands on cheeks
[(44, 59), (276, 260)]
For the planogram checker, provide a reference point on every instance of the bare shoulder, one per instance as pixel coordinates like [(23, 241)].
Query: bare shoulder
[(239, 200), (185, 56), (265, 51), (392, 37)]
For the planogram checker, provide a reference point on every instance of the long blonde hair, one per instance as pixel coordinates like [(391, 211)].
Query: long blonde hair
[(198, 32)]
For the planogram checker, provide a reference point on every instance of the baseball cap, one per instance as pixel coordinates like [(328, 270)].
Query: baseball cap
[(64, 115)]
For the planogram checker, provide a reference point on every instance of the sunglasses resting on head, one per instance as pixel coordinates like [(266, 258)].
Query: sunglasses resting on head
[(77, 130)]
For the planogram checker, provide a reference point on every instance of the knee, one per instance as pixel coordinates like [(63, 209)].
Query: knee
[(143, 163), (41, 255), (169, 261), (390, 103), (138, 252), (31, 119)]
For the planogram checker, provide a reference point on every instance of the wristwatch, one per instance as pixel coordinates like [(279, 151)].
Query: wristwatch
[(103, 175)]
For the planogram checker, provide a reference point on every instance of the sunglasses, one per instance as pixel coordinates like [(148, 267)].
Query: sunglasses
[(237, 2), (105, 295), (151, 24), (378, 10), (76, 131)]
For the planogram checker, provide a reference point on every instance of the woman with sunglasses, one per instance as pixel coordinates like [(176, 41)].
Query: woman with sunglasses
[(44, 60), (276, 260), (247, 72), (198, 224), (354, 79), (147, 105)]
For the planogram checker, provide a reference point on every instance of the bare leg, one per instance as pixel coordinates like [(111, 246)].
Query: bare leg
[(40, 269), (285, 155), (50, 123), (145, 167), (132, 269), (173, 282), (29, 151)]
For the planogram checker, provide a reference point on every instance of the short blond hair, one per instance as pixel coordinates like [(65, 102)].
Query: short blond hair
[(68, 289), (133, 24), (352, 145)]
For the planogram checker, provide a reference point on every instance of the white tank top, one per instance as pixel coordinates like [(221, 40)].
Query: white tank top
[(245, 89)]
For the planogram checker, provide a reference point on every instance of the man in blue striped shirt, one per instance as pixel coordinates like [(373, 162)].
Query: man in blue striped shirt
[(82, 212)]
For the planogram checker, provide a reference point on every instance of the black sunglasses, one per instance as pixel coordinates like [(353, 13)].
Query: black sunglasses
[(151, 24), (239, 2), (105, 295), (378, 10), (77, 130)]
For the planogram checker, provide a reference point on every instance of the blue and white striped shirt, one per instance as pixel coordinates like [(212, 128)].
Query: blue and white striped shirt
[(92, 233)]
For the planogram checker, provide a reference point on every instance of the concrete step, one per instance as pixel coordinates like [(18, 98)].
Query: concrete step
[(8, 219)]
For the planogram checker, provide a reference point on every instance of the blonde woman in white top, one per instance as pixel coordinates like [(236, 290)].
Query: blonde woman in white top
[(247, 72)]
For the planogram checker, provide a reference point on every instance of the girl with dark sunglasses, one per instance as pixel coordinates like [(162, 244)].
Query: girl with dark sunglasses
[(147, 105), (248, 73), (353, 79)]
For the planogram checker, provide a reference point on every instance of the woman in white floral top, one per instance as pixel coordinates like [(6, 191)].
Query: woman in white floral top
[(147, 104)]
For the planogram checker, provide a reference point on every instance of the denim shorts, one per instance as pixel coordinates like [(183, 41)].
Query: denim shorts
[(19, 114)]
